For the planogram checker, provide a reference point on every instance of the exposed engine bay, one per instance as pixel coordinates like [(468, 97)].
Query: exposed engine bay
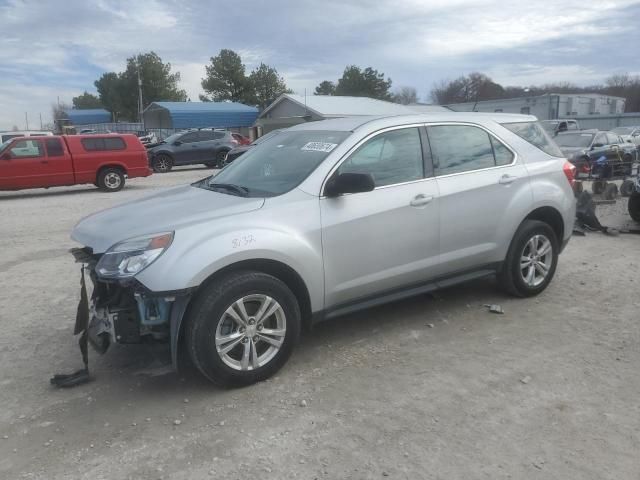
[(123, 311)]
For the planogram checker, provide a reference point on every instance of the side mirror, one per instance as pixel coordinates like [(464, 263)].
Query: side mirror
[(177, 143), (349, 183)]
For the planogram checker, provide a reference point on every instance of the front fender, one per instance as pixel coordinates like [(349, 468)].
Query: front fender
[(192, 259)]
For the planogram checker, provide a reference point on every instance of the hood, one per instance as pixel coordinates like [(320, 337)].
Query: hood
[(164, 211)]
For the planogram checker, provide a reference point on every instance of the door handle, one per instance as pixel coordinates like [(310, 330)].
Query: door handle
[(507, 179), (421, 200)]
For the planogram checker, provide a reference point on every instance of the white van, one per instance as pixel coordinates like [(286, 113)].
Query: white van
[(4, 136)]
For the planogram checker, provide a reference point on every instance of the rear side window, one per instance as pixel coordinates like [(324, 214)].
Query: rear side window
[(54, 147), (533, 133), (218, 135), (462, 148), (102, 144), (190, 137), (206, 135)]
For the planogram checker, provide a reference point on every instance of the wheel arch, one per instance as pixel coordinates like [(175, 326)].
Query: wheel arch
[(283, 272), (552, 217), (117, 166)]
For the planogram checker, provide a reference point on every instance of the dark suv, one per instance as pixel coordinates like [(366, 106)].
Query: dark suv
[(207, 146)]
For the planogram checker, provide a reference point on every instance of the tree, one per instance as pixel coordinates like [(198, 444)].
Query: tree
[(109, 89), (325, 88), (363, 83), (406, 96), (472, 88), (86, 100), (119, 91), (158, 83), (264, 86), (225, 77), (58, 115)]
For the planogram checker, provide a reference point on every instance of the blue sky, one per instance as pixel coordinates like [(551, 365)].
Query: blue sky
[(57, 49)]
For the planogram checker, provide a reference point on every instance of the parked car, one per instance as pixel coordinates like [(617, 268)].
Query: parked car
[(52, 161), (207, 146), (324, 219), (237, 151), (558, 126), (629, 134), (241, 139), (147, 138), (589, 149), (4, 136)]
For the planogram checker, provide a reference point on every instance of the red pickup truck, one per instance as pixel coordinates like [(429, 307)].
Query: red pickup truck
[(104, 160)]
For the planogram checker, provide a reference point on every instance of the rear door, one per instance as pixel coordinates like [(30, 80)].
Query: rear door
[(484, 194), (24, 165)]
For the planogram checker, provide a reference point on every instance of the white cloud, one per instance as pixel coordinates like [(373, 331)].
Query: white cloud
[(60, 48)]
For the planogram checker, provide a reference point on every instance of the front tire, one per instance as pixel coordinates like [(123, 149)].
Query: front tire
[(242, 328), (531, 260), (111, 180), (162, 163)]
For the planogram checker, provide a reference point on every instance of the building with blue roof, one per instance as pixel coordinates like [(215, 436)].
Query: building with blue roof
[(87, 116), (182, 115)]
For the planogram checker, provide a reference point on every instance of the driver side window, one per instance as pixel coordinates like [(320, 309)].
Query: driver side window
[(26, 149), (391, 157)]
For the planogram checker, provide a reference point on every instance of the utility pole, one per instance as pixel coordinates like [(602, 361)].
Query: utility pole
[(140, 104), (26, 120), (40, 120)]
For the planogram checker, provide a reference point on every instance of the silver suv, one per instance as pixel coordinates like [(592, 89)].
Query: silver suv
[(324, 219)]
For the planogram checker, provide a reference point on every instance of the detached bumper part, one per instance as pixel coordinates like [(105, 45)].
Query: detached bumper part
[(120, 311)]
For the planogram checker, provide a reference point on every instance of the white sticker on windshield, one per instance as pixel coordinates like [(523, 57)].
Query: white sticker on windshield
[(319, 147)]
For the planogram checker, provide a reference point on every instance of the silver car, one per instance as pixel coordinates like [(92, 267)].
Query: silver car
[(324, 219)]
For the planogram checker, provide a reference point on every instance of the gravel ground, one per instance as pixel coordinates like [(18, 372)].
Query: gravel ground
[(434, 387)]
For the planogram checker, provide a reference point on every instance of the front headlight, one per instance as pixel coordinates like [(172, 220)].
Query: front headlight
[(128, 258)]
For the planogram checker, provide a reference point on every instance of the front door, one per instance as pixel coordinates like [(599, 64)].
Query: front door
[(484, 194), (378, 241), (23, 165)]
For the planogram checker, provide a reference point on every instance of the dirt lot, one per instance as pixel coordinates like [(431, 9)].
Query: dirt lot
[(434, 387)]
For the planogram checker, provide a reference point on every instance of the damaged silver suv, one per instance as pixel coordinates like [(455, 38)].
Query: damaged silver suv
[(321, 220)]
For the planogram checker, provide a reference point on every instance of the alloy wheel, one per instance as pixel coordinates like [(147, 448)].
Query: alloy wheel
[(536, 260), (112, 181), (250, 332)]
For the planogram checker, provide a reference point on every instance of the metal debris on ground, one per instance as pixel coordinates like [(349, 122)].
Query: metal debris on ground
[(495, 308)]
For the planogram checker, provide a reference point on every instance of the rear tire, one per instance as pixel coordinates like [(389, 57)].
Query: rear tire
[(162, 163), (598, 186), (611, 191), (220, 156), (213, 326), (627, 188), (111, 180), (525, 273), (634, 206)]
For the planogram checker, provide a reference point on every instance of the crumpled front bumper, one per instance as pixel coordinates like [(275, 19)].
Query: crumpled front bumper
[(126, 312)]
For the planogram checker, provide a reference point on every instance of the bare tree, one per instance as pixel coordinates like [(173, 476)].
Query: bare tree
[(405, 95)]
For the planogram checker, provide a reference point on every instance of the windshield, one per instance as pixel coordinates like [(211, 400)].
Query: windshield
[(277, 165), (173, 138), (549, 126), (266, 136), (4, 144), (623, 130), (582, 140)]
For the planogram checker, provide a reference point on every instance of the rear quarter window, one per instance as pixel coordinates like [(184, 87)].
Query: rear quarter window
[(533, 133), (103, 144)]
